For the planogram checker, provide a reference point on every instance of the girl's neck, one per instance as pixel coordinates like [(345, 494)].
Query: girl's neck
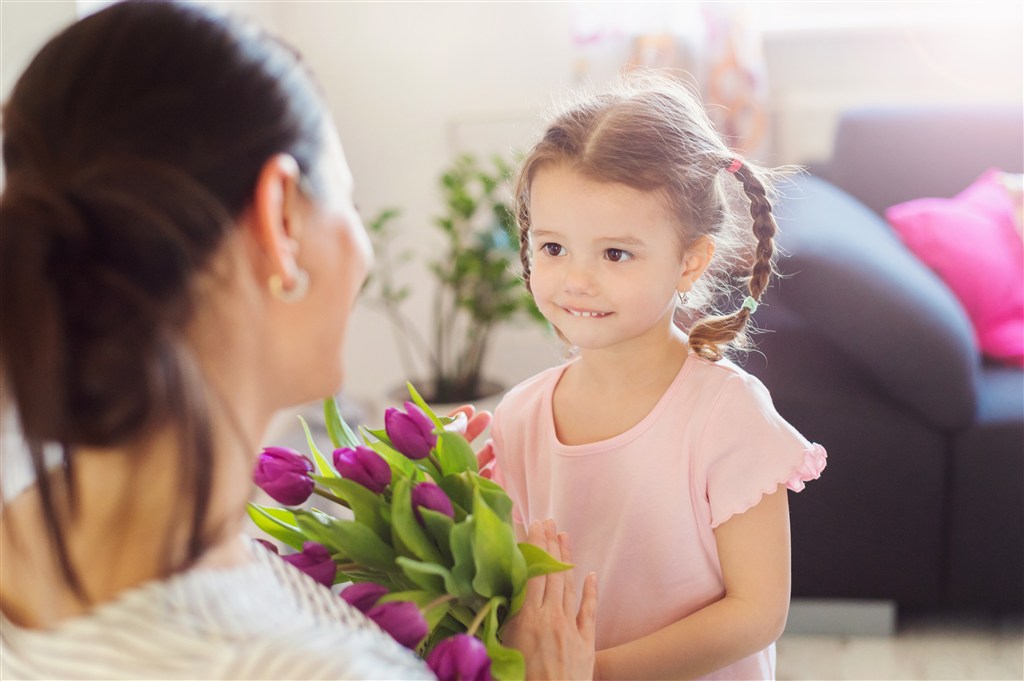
[(620, 367), (607, 392)]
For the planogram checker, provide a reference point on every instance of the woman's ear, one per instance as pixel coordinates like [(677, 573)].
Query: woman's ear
[(276, 218), (695, 260)]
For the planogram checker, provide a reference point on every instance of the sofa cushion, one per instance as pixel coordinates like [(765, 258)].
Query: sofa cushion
[(971, 241), (855, 284)]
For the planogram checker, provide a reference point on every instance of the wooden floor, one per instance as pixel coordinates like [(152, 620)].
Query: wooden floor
[(925, 646)]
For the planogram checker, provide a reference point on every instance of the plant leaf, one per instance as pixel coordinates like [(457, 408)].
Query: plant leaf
[(464, 567), (500, 566), (429, 576), (506, 663), (455, 454), (422, 404), (365, 505), (351, 538), (323, 466), (279, 523), (540, 562), (405, 526), (339, 431)]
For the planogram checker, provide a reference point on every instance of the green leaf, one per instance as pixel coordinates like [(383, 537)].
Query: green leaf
[(351, 538), (418, 400), (323, 466), (429, 576), (540, 562), (365, 505), (459, 489), (495, 496), (500, 566), (317, 527), (506, 663), (455, 454), (341, 435), (405, 527), (464, 568), (439, 527), (279, 523)]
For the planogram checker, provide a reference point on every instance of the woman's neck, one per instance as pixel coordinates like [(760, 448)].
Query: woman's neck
[(131, 524)]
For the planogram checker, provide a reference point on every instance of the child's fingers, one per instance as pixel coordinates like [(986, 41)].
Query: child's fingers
[(569, 596), (485, 457), (555, 582), (535, 587), (586, 618)]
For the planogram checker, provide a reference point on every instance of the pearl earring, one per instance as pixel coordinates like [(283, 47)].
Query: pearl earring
[(292, 294)]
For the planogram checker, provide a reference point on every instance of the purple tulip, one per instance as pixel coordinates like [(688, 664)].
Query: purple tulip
[(402, 619), (268, 546), (460, 658), (363, 596), (284, 474), (411, 432), (429, 495), (365, 466), (315, 560)]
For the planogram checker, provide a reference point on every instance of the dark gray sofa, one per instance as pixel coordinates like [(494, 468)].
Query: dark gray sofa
[(870, 354)]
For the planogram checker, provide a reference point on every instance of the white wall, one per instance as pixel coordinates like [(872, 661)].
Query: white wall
[(410, 84)]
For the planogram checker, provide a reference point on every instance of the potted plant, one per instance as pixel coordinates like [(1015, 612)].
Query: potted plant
[(477, 287)]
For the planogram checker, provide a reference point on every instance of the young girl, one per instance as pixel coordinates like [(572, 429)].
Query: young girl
[(665, 463)]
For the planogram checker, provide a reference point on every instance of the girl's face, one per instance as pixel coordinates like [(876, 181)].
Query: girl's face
[(607, 261)]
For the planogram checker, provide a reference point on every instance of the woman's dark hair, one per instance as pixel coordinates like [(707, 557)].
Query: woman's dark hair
[(132, 143)]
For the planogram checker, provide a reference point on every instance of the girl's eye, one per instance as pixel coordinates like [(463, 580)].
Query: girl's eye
[(553, 249), (617, 255)]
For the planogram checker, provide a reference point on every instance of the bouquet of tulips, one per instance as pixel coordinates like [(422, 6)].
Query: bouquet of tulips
[(426, 547)]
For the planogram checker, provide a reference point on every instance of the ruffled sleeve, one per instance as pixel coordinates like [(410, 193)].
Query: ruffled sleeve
[(747, 450)]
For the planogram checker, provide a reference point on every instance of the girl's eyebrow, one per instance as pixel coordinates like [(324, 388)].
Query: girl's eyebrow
[(624, 240)]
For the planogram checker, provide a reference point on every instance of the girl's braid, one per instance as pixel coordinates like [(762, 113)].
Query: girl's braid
[(709, 334)]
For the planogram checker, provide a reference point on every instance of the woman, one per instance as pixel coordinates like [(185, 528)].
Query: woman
[(179, 258)]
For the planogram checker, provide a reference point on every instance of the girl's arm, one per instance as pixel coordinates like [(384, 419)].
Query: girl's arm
[(753, 548)]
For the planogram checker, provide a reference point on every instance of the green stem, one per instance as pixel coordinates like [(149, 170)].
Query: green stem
[(441, 600), (331, 497), (478, 620)]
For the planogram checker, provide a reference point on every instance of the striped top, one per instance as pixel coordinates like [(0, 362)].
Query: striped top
[(261, 620)]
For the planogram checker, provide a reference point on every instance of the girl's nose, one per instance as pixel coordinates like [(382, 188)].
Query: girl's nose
[(578, 279)]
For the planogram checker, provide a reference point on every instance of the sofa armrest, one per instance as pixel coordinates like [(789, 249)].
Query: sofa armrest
[(852, 282)]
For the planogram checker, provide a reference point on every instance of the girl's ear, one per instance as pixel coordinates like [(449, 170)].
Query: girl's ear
[(695, 261), (276, 222)]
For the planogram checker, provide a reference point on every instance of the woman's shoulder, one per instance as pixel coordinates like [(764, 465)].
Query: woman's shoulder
[(263, 619)]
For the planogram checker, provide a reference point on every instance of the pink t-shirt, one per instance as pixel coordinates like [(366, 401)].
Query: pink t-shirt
[(640, 507)]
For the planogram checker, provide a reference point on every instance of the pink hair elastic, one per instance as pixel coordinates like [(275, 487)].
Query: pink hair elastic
[(735, 165)]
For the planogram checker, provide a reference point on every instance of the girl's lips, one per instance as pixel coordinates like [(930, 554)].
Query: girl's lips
[(590, 314)]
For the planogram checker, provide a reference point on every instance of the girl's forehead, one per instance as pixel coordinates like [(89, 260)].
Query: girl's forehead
[(561, 197)]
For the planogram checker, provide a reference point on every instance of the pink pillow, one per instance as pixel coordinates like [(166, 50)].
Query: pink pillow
[(971, 242)]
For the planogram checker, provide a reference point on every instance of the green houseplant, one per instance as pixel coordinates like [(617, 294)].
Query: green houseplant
[(477, 287)]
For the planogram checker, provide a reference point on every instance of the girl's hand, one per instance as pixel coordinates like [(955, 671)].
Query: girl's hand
[(556, 639), (476, 423)]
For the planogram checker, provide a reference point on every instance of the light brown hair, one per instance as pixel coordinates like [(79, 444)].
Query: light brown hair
[(649, 132)]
